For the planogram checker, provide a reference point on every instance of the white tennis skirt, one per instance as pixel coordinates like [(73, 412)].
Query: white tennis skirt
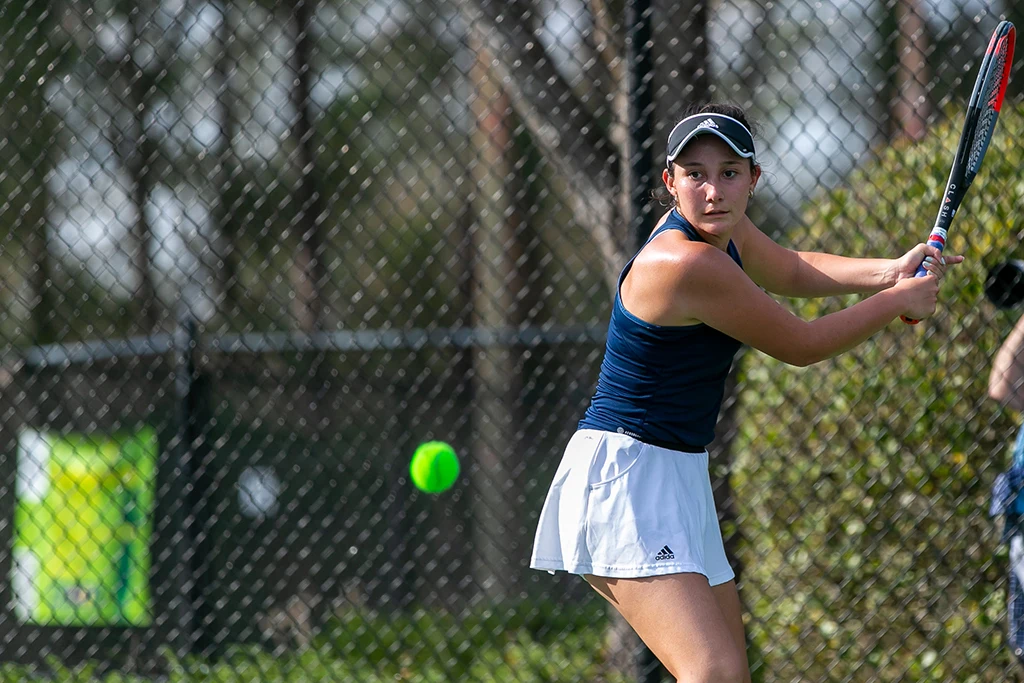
[(621, 508)]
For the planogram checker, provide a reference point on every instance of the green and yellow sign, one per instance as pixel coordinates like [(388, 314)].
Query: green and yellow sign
[(82, 528)]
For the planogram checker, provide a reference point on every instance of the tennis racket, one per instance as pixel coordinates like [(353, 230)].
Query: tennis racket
[(982, 112)]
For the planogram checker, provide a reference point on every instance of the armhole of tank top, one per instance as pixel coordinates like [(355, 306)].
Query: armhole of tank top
[(622, 277)]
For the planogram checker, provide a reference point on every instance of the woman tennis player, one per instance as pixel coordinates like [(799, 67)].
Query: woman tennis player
[(630, 507)]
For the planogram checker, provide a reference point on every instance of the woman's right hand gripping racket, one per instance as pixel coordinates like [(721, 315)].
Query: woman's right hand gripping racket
[(982, 112)]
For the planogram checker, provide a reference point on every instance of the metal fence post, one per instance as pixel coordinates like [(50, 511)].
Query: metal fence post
[(640, 72), (183, 494)]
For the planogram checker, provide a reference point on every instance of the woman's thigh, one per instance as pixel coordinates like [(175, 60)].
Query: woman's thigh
[(693, 628), (728, 599)]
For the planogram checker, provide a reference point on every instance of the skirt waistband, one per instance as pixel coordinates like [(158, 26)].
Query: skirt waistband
[(670, 445)]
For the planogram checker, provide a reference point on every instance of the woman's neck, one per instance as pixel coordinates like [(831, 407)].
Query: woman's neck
[(718, 240)]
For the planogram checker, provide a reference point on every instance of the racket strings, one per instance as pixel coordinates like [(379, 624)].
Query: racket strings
[(993, 95), (991, 98), (983, 135)]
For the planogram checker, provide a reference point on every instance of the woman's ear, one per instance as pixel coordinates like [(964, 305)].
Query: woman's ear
[(666, 178)]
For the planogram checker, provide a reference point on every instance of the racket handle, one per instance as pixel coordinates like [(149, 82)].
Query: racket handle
[(938, 240)]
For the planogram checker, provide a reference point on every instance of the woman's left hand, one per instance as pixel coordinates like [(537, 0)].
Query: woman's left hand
[(935, 262)]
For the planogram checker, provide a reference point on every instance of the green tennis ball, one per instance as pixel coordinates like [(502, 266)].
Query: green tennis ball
[(434, 467)]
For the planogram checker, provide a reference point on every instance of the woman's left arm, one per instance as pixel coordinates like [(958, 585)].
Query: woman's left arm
[(812, 274)]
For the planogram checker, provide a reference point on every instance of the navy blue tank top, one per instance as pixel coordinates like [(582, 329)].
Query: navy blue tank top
[(662, 385)]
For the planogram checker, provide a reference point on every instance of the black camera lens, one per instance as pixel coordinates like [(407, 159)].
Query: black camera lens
[(1004, 286)]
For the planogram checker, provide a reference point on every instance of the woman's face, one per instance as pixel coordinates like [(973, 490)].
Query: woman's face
[(711, 185)]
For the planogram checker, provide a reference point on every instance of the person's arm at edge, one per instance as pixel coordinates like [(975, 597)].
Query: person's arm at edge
[(1006, 379)]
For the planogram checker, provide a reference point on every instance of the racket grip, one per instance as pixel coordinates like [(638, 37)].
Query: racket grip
[(938, 240)]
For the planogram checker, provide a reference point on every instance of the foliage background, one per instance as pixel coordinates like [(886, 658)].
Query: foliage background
[(298, 238), (863, 480)]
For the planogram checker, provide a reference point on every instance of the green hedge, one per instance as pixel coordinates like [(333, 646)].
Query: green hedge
[(528, 643), (863, 481)]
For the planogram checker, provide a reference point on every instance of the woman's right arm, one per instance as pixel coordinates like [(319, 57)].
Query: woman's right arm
[(1006, 380), (714, 290)]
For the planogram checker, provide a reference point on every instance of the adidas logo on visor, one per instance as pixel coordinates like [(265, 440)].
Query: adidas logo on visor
[(734, 133)]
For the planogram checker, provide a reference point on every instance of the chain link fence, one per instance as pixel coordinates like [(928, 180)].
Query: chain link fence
[(254, 253)]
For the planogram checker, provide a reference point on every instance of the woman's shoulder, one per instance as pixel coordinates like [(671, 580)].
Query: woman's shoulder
[(670, 245), (665, 276), (672, 257), (667, 248)]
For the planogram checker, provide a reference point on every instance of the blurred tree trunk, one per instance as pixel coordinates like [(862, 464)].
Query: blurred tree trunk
[(910, 106), (308, 273), (680, 79), (571, 135), (587, 153), (29, 56), (498, 286), (681, 75), (457, 513), (31, 201), (228, 268), (591, 163), (138, 153)]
